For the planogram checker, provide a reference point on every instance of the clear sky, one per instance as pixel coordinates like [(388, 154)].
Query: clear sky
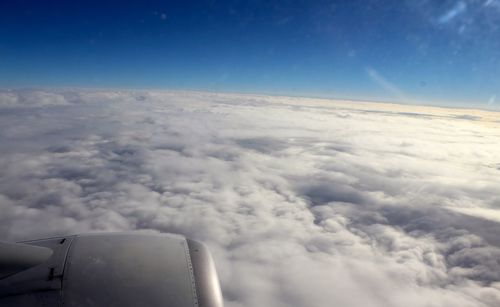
[(399, 50)]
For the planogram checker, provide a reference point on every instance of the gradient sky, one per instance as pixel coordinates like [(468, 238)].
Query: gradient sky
[(414, 51)]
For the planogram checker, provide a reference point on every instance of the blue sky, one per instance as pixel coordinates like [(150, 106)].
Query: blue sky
[(414, 51)]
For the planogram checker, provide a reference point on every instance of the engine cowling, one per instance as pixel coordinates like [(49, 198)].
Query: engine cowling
[(106, 270)]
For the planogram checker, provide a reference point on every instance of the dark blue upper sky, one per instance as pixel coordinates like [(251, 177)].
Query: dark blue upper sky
[(414, 50)]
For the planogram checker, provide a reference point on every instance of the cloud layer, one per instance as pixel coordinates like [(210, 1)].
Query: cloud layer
[(304, 202)]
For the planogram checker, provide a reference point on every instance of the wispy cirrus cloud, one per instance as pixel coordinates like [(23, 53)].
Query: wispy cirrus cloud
[(458, 8), (388, 86)]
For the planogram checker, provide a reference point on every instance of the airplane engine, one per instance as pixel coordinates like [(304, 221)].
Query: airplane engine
[(108, 270)]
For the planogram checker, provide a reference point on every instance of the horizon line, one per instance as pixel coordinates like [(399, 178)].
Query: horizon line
[(436, 104)]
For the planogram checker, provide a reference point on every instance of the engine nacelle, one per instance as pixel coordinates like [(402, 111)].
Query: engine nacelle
[(108, 270)]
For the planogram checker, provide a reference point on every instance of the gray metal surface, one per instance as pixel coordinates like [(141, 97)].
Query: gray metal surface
[(123, 269), (33, 299), (15, 258), (128, 270), (206, 280), (44, 277)]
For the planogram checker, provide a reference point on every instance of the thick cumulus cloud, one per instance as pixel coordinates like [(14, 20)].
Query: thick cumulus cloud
[(304, 202)]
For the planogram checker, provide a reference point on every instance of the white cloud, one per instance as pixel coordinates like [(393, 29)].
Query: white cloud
[(388, 86), (304, 202), (458, 8)]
